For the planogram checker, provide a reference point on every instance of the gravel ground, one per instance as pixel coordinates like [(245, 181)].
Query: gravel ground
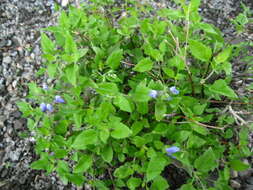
[(20, 24)]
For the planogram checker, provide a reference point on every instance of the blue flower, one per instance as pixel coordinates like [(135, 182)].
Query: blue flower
[(172, 150), (50, 108), (58, 99), (153, 93), (174, 90), (45, 87), (43, 107)]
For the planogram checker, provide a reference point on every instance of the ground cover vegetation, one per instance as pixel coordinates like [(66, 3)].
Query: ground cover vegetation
[(134, 91)]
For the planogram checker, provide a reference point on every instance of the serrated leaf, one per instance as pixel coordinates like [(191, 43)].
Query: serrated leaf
[(85, 138), (84, 163), (70, 45), (155, 167), (200, 51), (114, 59), (206, 162), (107, 88), (107, 153), (133, 182), (123, 172), (123, 103), (223, 56), (46, 44), (120, 130), (220, 87), (143, 65)]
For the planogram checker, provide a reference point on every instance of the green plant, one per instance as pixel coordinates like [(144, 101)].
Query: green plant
[(243, 19), (128, 85)]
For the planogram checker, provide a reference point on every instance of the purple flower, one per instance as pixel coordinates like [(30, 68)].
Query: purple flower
[(172, 150), (58, 99), (153, 93), (43, 107), (174, 90), (50, 108), (169, 98), (45, 87)]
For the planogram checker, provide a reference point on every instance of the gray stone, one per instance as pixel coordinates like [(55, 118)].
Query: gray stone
[(250, 180), (7, 60), (14, 155), (249, 187), (235, 184)]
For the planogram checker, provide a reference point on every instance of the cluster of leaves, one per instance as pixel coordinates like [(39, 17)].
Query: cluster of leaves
[(105, 63)]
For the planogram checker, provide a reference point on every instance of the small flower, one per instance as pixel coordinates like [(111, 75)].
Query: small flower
[(172, 150), (173, 90), (50, 108), (43, 107), (169, 98), (45, 87), (58, 99), (153, 93)]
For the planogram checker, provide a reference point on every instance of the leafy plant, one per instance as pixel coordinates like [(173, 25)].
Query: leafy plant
[(133, 92)]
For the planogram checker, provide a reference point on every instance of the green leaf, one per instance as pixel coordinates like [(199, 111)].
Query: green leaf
[(187, 187), (200, 51), (238, 165), (159, 184), (78, 119), (70, 45), (100, 185), (137, 127), (51, 69), (84, 163), (206, 162), (123, 172), (46, 44), (85, 138), (107, 88), (133, 182), (141, 93), (41, 164), (143, 65), (114, 59), (34, 90), (120, 130), (220, 87), (107, 153), (71, 73), (123, 103), (155, 167), (160, 110), (77, 179), (104, 135), (223, 56), (25, 108), (62, 170)]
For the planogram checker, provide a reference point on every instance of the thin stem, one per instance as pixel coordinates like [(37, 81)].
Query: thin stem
[(185, 50)]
